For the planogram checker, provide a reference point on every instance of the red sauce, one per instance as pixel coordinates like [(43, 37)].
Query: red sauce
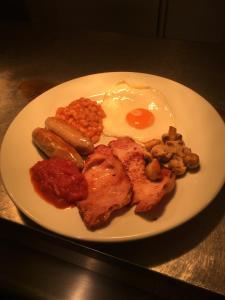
[(59, 182)]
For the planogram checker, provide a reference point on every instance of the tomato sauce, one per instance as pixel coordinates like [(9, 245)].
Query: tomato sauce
[(59, 182)]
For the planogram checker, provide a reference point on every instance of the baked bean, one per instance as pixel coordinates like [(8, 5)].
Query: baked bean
[(85, 115)]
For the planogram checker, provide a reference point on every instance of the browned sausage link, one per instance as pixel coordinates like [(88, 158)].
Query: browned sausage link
[(53, 146), (71, 135)]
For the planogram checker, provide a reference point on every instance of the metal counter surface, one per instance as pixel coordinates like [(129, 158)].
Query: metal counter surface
[(30, 64)]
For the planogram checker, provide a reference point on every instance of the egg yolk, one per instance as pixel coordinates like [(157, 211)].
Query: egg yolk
[(140, 118)]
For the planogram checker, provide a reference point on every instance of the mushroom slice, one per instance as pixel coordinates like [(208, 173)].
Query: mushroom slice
[(191, 160), (161, 152), (153, 170), (172, 135), (150, 144), (176, 164)]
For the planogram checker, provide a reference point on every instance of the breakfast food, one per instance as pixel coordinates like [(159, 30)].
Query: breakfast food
[(70, 134), (85, 115), (146, 193), (59, 181), (140, 118), (53, 146), (153, 170), (109, 188), (128, 170), (172, 152), (139, 112)]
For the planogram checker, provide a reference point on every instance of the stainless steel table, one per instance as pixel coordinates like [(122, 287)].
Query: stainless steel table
[(30, 64)]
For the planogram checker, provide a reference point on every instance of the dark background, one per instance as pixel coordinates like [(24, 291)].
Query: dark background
[(191, 20)]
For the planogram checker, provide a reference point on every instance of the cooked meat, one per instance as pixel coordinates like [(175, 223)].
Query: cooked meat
[(146, 193), (108, 185)]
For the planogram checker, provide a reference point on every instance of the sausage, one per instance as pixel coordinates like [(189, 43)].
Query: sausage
[(53, 146), (70, 134)]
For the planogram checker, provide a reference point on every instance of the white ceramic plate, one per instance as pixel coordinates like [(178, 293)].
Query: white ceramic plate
[(203, 131)]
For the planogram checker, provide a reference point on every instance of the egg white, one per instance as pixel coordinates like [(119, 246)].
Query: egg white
[(123, 98)]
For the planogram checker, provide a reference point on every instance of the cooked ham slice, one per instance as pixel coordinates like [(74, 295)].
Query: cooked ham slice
[(146, 193), (108, 185)]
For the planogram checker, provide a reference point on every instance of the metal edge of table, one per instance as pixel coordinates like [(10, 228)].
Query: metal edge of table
[(101, 263)]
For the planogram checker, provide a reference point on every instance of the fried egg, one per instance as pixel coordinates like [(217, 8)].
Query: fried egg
[(140, 112)]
